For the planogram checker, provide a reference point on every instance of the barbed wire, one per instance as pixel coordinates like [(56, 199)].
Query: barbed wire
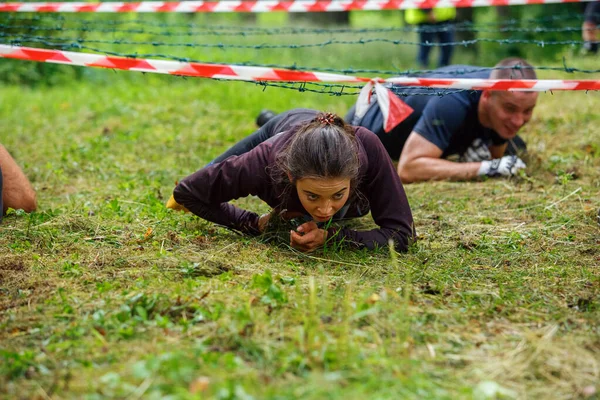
[(115, 27), (353, 90), (302, 31), (19, 39), (348, 70)]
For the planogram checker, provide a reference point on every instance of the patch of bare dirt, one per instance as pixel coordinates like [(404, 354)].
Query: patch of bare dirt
[(18, 286)]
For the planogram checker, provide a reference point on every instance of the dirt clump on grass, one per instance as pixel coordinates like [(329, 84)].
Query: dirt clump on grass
[(12, 269), (18, 286)]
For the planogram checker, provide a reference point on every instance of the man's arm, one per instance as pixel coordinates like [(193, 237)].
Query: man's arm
[(17, 192), (420, 161)]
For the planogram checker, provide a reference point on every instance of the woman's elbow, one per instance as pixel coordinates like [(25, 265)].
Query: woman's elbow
[(186, 197), (403, 243), (405, 238), (181, 193)]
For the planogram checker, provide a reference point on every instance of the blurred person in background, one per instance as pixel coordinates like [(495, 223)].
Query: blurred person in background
[(589, 30), (432, 24)]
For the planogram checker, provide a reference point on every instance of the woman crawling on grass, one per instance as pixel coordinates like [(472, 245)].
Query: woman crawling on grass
[(307, 166)]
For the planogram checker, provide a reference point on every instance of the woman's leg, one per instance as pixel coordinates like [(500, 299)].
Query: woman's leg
[(249, 142)]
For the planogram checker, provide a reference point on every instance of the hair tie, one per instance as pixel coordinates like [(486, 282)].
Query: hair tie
[(326, 119)]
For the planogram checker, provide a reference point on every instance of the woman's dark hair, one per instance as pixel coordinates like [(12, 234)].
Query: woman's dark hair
[(325, 147)]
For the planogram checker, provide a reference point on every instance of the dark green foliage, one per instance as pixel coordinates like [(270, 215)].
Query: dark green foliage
[(544, 17), (32, 73)]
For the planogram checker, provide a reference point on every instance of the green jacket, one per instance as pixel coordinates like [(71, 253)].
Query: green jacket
[(418, 16)]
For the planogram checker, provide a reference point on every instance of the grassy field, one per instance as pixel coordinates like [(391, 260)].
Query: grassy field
[(104, 293)]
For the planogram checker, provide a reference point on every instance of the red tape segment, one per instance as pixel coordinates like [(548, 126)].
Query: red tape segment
[(257, 6)]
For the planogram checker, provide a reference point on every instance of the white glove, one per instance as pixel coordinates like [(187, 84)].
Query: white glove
[(505, 166), (478, 151)]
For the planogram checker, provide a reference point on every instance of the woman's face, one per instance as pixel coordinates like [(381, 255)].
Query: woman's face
[(323, 197)]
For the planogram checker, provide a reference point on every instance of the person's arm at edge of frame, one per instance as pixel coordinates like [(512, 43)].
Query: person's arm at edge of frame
[(421, 160), (17, 191), (388, 203)]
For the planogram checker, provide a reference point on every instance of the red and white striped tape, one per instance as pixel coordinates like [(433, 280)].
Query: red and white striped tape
[(263, 74), (258, 6), (214, 71)]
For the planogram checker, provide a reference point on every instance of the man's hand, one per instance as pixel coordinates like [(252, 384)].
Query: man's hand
[(478, 151), (505, 166), (308, 237)]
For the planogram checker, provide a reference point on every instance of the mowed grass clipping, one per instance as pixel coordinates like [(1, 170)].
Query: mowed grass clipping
[(104, 293)]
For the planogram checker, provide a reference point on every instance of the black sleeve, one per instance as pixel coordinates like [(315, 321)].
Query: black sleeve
[(207, 192), (497, 140)]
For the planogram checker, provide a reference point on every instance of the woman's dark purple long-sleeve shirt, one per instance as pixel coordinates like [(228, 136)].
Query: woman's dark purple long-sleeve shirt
[(208, 191)]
